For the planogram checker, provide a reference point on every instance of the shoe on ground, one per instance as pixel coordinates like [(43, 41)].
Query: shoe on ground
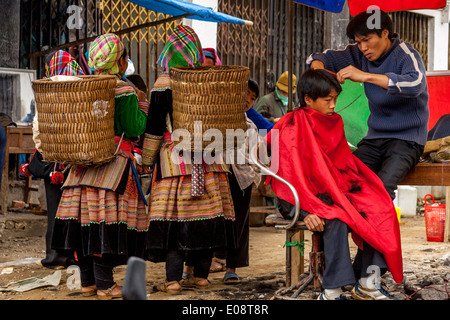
[(323, 296), (361, 293), (187, 280), (231, 278)]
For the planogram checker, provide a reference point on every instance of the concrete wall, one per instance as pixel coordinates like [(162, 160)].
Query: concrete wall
[(10, 33), (335, 29), (206, 31)]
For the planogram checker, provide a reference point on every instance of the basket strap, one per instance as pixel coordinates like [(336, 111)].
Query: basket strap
[(120, 142)]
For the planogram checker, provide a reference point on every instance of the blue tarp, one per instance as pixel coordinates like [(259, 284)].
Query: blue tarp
[(335, 6), (179, 7)]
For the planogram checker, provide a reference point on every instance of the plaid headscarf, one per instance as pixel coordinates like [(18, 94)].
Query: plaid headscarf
[(212, 53), (104, 53), (62, 63), (183, 49)]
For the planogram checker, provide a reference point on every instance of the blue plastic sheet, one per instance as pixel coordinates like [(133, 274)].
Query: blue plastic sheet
[(179, 7), (326, 5)]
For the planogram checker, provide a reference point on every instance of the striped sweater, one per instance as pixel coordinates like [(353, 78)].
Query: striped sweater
[(401, 111)]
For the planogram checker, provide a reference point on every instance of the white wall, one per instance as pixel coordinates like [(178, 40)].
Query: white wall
[(26, 90), (438, 34), (206, 31)]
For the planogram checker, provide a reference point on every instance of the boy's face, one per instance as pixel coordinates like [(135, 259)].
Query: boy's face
[(324, 105), (373, 46), (208, 62), (251, 97)]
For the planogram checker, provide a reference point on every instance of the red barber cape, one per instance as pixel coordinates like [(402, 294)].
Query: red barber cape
[(334, 184)]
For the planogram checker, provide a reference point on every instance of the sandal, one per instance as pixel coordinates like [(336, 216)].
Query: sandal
[(108, 293), (201, 286), (217, 265), (164, 287), (187, 280), (231, 278), (89, 291)]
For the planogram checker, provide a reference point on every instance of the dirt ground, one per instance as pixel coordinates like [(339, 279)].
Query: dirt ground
[(426, 269)]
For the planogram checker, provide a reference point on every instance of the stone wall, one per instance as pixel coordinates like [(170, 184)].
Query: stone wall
[(10, 33)]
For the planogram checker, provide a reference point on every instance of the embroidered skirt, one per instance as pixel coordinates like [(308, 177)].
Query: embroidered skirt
[(181, 221), (100, 221)]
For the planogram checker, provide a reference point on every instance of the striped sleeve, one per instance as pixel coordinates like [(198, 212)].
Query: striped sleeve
[(411, 80), (150, 148), (335, 60)]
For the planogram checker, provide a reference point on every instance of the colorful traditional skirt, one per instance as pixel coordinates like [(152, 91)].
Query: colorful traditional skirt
[(181, 221), (101, 221)]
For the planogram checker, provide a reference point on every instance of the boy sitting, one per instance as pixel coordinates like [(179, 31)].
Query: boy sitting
[(337, 192)]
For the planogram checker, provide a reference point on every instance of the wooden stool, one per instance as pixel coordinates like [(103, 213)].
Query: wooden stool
[(295, 262), (295, 259)]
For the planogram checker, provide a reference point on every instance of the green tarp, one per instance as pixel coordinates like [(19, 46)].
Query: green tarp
[(353, 107)]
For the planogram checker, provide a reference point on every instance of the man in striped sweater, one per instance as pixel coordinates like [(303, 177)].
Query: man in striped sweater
[(394, 80)]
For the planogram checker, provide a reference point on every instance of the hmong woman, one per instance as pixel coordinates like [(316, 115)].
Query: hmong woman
[(56, 63), (182, 217), (105, 223)]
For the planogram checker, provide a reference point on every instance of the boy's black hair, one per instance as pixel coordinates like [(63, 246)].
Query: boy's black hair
[(316, 83), (366, 23), (253, 86)]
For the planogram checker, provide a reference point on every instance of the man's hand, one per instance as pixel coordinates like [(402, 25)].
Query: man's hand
[(314, 223), (356, 75), (351, 73)]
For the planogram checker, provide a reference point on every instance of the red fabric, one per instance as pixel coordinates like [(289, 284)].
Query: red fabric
[(125, 146), (315, 158), (439, 96), (358, 6)]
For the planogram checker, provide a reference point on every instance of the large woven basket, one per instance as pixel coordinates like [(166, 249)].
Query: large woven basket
[(213, 97), (76, 119)]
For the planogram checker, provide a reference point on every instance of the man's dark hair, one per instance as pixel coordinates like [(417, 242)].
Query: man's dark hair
[(316, 83), (253, 86), (365, 23)]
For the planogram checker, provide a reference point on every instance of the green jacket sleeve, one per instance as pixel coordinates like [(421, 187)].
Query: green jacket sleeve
[(128, 118)]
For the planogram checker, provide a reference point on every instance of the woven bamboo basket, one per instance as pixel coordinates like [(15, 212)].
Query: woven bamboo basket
[(210, 98), (76, 119)]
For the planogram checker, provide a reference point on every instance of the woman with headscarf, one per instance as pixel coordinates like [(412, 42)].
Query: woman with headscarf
[(183, 218), (62, 63), (105, 223), (56, 63)]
